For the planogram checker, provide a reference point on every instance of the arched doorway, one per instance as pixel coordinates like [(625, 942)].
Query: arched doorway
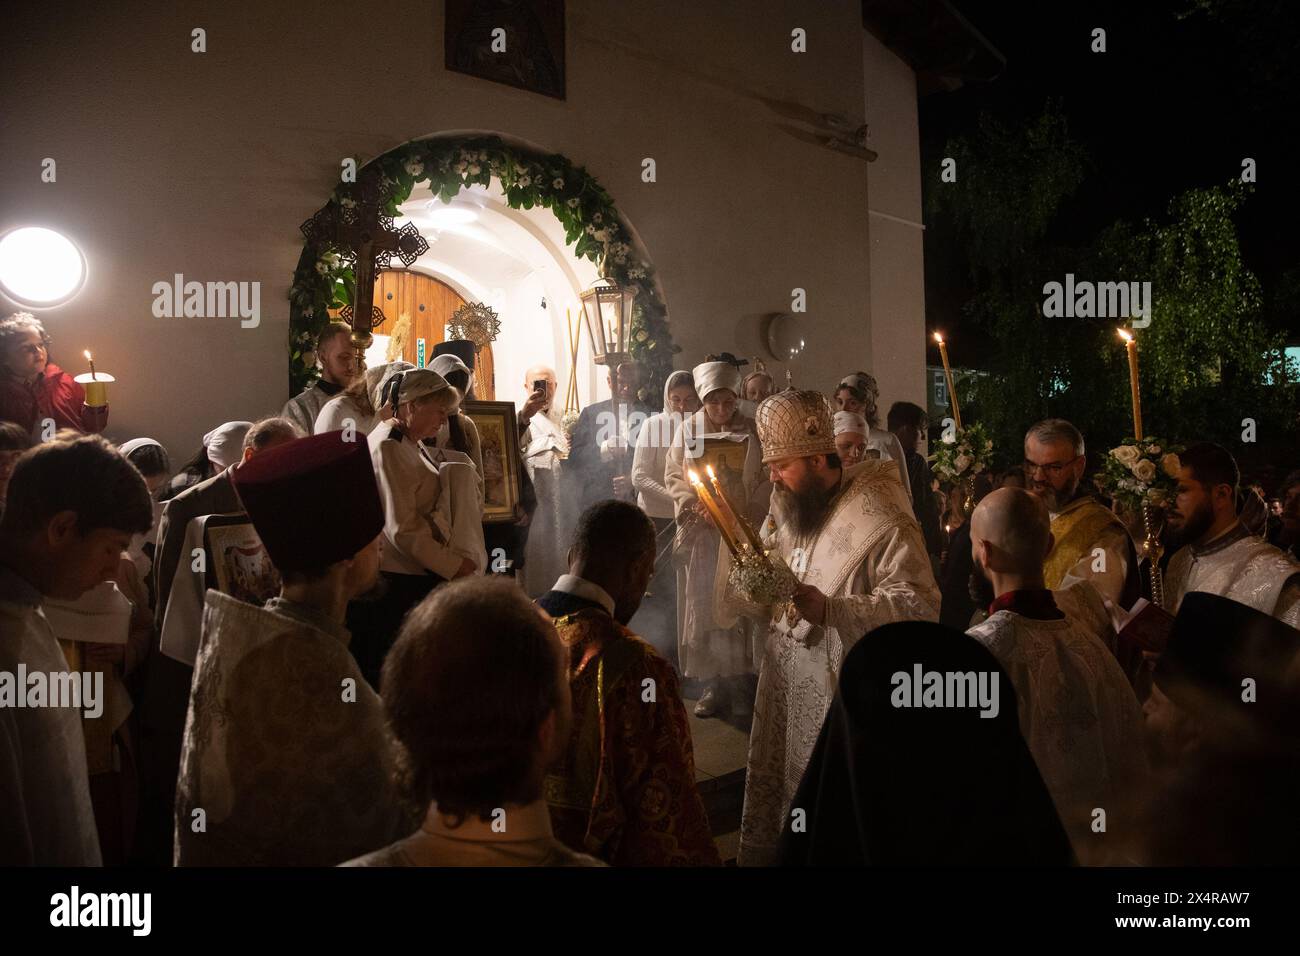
[(527, 181)]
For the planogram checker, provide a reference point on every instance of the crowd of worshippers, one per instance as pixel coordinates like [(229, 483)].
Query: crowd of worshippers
[(382, 678)]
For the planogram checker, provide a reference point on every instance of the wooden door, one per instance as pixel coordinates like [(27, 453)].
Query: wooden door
[(429, 303)]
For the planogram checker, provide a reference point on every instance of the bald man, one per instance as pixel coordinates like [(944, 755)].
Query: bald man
[(543, 446), (1077, 712)]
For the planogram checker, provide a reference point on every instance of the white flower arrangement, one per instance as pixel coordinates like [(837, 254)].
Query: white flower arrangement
[(968, 454), (1140, 472), (414, 167)]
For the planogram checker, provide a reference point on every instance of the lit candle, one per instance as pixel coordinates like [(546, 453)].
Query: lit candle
[(1130, 343), (732, 513), (947, 374), (96, 384), (711, 506)]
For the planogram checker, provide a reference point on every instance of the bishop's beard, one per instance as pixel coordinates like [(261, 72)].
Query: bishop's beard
[(805, 509)]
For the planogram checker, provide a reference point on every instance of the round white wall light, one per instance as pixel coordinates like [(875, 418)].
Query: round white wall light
[(40, 268)]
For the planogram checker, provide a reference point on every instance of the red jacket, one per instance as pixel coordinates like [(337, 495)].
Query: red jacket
[(54, 395)]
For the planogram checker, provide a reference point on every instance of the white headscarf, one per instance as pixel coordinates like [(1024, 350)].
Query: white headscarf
[(711, 376), (447, 363), (127, 447), (676, 380), (225, 443), (851, 422)]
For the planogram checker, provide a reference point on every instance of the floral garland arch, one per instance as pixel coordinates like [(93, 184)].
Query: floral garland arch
[(593, 229)]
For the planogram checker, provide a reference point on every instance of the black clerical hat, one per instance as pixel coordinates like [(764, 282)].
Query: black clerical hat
[(1216, 644), (463, 349)]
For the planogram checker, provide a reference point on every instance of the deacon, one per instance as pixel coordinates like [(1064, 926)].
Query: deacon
[(1215, 552), (714, 645), (624, 790), (287, 760), (1090, 542), (337, 361), (544, 447), (1077, 712), (851, 539)]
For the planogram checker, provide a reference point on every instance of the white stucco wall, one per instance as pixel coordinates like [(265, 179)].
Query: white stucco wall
[(205, 164), (894, 202)]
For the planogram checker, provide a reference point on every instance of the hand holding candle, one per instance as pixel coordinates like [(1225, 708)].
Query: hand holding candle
[(1130, 343), (96, 384)]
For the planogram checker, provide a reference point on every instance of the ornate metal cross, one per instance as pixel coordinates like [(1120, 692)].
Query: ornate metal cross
[(362, 233)]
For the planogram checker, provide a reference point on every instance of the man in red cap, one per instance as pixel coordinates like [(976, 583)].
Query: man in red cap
[(287, 760)]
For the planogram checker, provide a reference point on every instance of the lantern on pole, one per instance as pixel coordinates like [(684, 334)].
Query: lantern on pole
[(607, 307)]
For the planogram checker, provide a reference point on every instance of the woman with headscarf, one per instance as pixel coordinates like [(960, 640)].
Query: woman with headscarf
[(894, 783), (858, 393), (648, 464), (221, 448), (713, 644), (432, 515), (33, 389), (356, 403)]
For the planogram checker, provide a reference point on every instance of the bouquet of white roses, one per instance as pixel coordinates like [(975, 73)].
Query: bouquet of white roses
[(1140, 471), (969, 453)]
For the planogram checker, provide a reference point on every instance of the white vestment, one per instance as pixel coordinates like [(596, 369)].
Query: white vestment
[(304, 407), (286, 749), (543, 447), (1081, 721), (869, 558), (888, 448), (1239, 566), (45, 812)]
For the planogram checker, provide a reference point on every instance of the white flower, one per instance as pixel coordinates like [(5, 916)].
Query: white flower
[(1145, 470), (571, 203), (322, 267), (591, 230), (1170, 465), (636, 272), (600, 235), (1153, 449), (475, 169), (963, 462), (414, 167), (1126, 455), (979, 466), (596, 218), (557, 183), (347, 203), (524, 180)]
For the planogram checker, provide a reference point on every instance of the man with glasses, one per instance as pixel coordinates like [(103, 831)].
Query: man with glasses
[(1090, 543)]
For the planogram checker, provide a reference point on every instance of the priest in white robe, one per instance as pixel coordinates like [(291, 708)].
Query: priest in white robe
[(851, 539), (287, 759), (544, 447), (1218, 555), (337, 363), (1077, 712)]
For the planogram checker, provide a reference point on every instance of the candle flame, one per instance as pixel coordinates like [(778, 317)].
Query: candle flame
[(1125, 334), (938, 338), (695, 478), (709, 469), (87, 354)]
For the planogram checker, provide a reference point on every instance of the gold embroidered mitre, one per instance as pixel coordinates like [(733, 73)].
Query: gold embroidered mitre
[(795, 424)]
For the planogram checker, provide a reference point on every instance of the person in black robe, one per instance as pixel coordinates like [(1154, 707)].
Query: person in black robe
[(921, 786)]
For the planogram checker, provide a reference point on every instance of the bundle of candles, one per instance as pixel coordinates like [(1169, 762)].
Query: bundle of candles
[(762, 577)]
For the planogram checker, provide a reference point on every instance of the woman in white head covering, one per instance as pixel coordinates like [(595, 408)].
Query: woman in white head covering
[(356, 403), (459, 433), (222, 447), (858, 394), (433, 528), (713, 646)]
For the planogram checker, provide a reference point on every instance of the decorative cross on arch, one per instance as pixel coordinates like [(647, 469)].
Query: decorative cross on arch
[(361, 231)]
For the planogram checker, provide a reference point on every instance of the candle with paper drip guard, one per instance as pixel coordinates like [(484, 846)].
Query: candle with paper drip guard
[(947, 375), (732, 513), (96, 384), (1130, 343), (714, 511)]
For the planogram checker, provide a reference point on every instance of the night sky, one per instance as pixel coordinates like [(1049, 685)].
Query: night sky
[(1172, 104)]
